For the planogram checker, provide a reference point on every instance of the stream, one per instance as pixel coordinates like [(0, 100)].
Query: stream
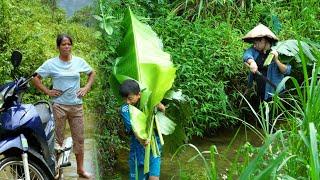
[(180, 168)]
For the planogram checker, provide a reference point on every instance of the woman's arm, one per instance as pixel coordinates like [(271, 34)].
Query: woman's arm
[(252, 65), (83, 91), (38, 84), (282, 67)]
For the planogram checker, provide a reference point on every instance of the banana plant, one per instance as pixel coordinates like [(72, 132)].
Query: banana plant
[(143, 59), (290, 48)]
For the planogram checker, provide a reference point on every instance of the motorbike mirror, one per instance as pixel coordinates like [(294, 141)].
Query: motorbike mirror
[(16, 57)]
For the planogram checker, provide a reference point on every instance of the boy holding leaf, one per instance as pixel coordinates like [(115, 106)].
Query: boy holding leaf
[(130, 92)]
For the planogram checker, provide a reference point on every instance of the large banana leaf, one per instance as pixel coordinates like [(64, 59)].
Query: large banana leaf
[(291, 48), (143, 59), (138, 122)]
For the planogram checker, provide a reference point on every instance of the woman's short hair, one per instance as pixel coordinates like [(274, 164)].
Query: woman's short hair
[(60, 38)]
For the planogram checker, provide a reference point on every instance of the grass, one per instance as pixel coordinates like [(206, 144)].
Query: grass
[(289, 152)]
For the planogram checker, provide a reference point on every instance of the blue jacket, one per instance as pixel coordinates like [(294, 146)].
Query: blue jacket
[(273, 72)]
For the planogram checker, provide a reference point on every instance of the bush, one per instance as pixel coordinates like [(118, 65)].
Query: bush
[(208, 61)]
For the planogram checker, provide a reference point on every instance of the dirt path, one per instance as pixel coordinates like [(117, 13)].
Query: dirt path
[(70, 173)]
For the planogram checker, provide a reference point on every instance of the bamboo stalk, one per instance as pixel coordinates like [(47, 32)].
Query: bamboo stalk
[(268, 60)]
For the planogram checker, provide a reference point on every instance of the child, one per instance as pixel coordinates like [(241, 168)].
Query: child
[(130, 91)]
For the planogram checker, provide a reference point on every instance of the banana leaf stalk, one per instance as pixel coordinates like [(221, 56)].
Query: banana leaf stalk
[(290, 48), (159, 130), (143, 60)]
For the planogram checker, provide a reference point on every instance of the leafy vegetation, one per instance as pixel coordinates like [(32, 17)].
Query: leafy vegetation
[(204, 40), (31, 27)]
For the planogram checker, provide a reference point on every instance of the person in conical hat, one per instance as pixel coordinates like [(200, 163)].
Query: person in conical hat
[(266, 77)]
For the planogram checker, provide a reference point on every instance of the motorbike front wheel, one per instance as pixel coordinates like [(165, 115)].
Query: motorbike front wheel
[(12, 168)]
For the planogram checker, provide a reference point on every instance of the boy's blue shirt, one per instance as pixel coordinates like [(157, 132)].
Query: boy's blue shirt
[(273, 72), (136, 149)]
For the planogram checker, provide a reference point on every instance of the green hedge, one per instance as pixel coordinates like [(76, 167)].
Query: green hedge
[(209, 65), (31, 27)]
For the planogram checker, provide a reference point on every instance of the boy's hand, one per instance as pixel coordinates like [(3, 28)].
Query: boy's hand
[(144, 142), (161, 107)]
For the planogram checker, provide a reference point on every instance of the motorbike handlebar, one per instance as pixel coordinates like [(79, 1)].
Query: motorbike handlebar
[(28, 80)]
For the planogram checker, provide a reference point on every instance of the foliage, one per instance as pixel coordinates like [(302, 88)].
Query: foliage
[(110, 125), (31, 27), (207, 51), (143, 59), (207, 66), (290, 48)]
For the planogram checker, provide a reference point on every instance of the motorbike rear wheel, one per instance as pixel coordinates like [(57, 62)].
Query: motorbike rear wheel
[(12, 168)]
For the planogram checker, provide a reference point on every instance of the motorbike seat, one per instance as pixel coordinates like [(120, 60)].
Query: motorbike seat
[(44, 111)]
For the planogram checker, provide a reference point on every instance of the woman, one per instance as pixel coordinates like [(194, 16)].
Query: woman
[(64, 70), (254, 57)]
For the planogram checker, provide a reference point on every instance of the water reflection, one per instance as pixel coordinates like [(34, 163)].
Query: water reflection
[(71, 6)]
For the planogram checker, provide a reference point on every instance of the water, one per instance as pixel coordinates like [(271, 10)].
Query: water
[(179, 166), (71, 6)]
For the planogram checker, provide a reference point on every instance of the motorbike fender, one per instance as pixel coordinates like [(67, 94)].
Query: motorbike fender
[(19, 142)]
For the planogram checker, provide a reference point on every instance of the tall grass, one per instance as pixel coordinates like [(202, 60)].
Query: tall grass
[(291, 151), (301, 111)]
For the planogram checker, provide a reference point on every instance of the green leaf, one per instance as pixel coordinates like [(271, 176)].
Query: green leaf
[(291, 48), (142, 59), (252, 166), (138, 121), (108, 29), (166, 125), (99, 18), (270, 171), (314, 154), (175, 95)]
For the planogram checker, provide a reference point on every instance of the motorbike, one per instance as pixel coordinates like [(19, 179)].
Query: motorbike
[(27, 142)]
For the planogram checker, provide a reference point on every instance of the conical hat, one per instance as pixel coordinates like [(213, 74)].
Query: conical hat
[(259, 31)]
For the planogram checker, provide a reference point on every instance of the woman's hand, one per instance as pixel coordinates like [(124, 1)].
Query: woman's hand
[(143, 142), (252, 65), (53, 93), (282, 67), (276, 55), (82, 91)]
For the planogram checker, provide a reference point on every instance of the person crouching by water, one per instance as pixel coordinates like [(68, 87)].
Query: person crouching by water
[(262, 39), (64, 70)]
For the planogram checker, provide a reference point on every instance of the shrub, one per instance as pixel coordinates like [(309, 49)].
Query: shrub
[(209, 67)]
